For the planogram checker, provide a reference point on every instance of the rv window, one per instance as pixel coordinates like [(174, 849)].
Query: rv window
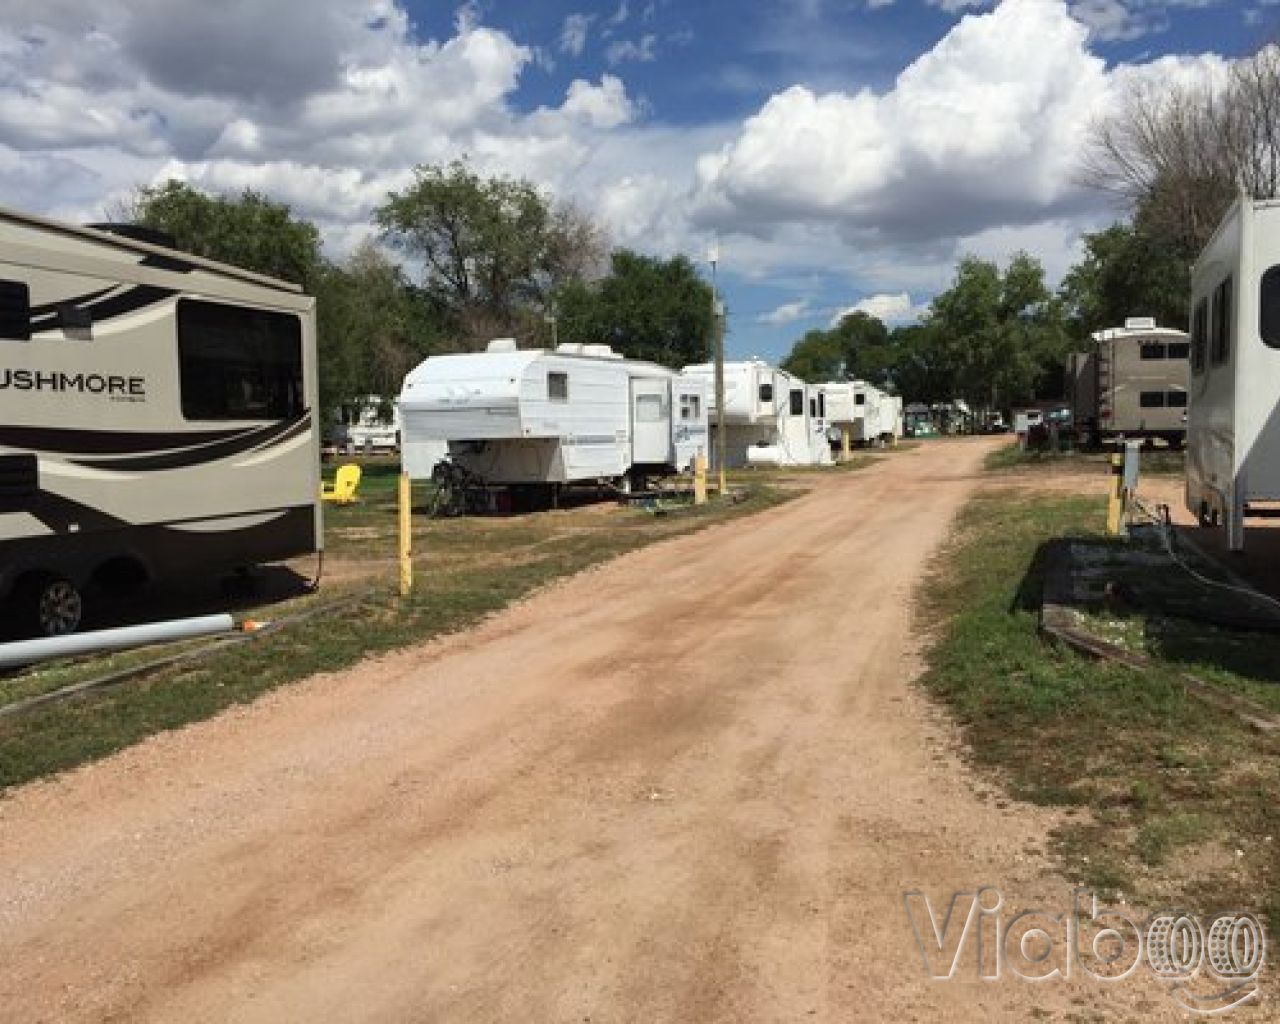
[(1176, 399), (822, 405), (557, 386), (1153, 350), (690, 407), (1151, 399), (1220, 349), (813, 408), (797, 402), (766, 392), (1199, 335), (1178, 350), (648, 408), (860, 399), (15, 310), (1269, 308), (237, 363)]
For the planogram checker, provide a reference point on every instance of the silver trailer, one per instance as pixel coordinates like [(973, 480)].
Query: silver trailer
[(158, 417), (1233, 420), (1132, 382)]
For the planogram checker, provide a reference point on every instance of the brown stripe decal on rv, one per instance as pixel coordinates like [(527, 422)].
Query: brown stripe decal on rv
[(68, 441), (264, 437)]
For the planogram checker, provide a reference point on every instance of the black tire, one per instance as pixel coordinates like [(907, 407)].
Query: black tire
[(49, 605)]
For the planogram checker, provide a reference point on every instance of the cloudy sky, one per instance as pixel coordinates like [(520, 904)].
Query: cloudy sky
[(843, 153)]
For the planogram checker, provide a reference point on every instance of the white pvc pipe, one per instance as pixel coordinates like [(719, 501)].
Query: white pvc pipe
[(29, 652)]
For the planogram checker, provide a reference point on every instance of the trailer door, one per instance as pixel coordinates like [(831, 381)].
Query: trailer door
[(651, 422)]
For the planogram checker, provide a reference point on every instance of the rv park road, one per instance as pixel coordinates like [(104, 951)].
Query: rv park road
[(691, 785)]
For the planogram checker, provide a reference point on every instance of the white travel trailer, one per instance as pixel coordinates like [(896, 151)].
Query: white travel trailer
[(1233, 414), (158, 416), (369, 423), (869, 414), (577, 414), (771, 416)]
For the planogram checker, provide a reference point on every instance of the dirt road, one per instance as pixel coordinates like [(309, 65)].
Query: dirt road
[(692, 785)]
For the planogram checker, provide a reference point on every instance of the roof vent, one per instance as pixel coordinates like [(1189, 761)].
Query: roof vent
[(570, 348), (599, 351), (502, 345), (1140, 323)]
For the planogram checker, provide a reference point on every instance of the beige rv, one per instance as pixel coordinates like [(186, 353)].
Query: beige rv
[(1131, 383), (157, 416)]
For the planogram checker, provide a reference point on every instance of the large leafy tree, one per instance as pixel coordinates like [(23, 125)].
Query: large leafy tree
[(856, 347), (646, 308), (1125, 272), (248, 230), (492, 251), (1002, 335)]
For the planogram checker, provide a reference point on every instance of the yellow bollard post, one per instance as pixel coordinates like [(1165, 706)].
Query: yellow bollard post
[(699, 479), (846, 453), (406, 535), (1115, 499)]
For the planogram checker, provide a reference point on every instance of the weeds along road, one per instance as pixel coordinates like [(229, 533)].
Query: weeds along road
[(691, 785)]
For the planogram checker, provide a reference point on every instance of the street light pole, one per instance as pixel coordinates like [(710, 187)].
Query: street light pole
[(717, 326)]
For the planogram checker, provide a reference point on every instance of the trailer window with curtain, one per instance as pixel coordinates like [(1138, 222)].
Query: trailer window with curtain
[(1199, 335), (237, 363), (797, 402), (1269, 308), (1220, 349)]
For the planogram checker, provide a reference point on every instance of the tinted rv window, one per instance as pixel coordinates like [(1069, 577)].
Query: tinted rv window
[(1269, 308), (1178, 350), (1199, 335), (1220, 331), (15, 310), (813, 408), (797, 402), (860, 399), (1153, 350), (690, 407), (1176, 399), (766, 392), (822, 405), (558, 386), (237, 363), (1151, 399)]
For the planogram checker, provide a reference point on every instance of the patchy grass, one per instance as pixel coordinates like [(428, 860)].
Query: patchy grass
[(1173, 801), (1155, 461), (465, 569)]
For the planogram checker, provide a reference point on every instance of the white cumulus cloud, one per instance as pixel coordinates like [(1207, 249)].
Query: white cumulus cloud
[(788, 312)]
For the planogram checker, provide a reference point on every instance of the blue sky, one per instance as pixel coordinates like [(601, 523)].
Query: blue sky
[(843, 153)]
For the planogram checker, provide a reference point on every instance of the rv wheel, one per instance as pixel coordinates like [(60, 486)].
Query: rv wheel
[(52, 605)]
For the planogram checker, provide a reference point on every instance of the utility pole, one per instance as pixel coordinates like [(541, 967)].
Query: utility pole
[(717, 326)]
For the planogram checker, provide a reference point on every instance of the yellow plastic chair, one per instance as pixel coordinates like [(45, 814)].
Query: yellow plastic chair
[(345, 483)]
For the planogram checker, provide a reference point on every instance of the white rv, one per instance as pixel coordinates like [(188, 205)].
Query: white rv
[(579, 413), (869, 415), (771, 416), (1233, 413), (368, 423), (158, 416)]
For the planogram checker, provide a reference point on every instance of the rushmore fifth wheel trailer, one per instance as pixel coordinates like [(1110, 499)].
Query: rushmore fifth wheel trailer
[(1233, 416), (157, 417), (537, 417)]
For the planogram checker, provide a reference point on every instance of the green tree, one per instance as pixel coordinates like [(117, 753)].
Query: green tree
[(646, 308), (856, 347), (249, 230), (1124, 273), (818, 356), (492, 250), (373, 328)]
